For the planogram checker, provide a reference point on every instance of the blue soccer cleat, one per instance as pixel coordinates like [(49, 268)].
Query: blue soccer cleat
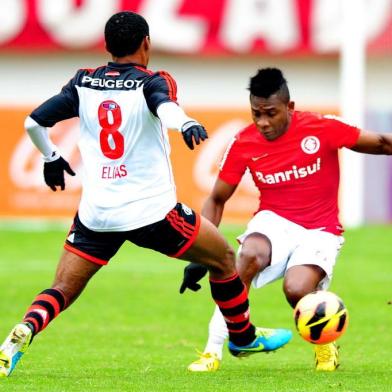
[(266, 340), (13, 348)]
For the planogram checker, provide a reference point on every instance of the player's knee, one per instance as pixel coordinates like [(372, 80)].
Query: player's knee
[(301, 280), (294, 291), (248, 256), (247, 260), (255, 252)]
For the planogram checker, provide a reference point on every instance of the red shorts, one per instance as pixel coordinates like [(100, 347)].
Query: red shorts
[(171, 236)]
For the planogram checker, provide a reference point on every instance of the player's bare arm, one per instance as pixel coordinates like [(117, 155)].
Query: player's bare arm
[(215, 203), (373, 143)]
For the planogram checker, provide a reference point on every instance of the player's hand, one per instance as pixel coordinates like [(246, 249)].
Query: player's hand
[(193, 133), (54, 173), (193, 272)]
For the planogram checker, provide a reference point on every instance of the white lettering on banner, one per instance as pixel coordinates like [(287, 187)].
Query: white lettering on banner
[(72, 26), (206, 165), (326, 22), (233, 25), (13, 16), (273, 21), (171, 31), (293, 174), (326, 25), (26, 165), (381, 12)]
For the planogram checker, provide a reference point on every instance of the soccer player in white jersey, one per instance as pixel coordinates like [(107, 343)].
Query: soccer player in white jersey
[(128, 188), (295, 233)]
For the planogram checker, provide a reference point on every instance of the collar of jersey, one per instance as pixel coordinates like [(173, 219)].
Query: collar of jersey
[(124, 65)]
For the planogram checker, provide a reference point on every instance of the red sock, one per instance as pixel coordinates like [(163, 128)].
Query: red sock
[(231, 296), (46, 306)]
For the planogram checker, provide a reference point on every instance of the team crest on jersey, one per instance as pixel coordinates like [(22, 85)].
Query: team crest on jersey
[(109, 105), (310, 144)]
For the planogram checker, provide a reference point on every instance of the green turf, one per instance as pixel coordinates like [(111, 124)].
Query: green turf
[(132, 331)]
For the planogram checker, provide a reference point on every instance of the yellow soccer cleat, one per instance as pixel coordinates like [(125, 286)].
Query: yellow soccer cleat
[(13, 348), (327, 357), (207, 362)]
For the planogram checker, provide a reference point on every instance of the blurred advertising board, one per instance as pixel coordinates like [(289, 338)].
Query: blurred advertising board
[(213, 27), (24, 194)]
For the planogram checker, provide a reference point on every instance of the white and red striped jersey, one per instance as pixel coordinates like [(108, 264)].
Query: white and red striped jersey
[(127, 176)]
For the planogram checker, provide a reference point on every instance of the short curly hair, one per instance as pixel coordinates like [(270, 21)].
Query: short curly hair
[(267, 82), (124, 33)]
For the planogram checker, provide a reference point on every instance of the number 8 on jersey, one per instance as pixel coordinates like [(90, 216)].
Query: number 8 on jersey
[(109, 116)]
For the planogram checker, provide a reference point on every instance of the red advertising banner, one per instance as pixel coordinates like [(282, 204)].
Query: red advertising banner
[(24, 194), (212, 27)]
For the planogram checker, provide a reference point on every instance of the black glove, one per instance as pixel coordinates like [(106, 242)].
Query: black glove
[(193, 272), (193, 132), (54, 173)]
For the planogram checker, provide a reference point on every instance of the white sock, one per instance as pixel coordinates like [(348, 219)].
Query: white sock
[(217, 334)]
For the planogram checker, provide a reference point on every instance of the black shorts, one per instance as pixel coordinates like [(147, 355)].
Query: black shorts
[(171, 236)]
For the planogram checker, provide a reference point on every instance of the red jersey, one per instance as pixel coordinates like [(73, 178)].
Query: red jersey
[(297, 174)]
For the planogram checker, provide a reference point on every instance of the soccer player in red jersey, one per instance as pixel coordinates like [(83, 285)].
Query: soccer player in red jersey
[(295, 233), (128, 188)]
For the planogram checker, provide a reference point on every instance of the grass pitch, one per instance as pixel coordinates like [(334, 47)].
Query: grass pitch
[(132, 331)]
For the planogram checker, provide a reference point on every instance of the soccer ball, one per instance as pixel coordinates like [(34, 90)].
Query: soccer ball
[(320, 317)]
